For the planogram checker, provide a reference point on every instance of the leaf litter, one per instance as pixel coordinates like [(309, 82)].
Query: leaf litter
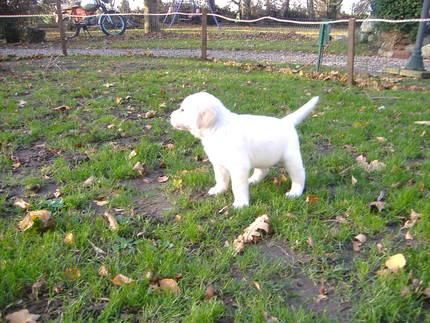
[(253, 233)]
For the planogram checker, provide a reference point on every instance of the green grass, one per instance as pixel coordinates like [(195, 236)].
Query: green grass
[(174, 230), (301, 39)]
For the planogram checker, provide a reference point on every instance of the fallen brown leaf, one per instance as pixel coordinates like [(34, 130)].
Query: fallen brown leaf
[(169, 285), (210, 292), (113, 224), (22, 204), (150, 114), (103, 272), (257, 285), (377, 206), (89, 181), (62, 108), (42, 217), (162, 179), (310, 242), (426, 292), (120, 280), (408, 236), (253, 233), (413, 218), (36, 287), (22, 316), (138, 167), (374, 165), (22, 104), (358, 241), (353, 180), (98, 250), (101, 202), (312, 199)]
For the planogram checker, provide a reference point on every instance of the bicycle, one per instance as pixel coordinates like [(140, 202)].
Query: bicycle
[(76, 19)]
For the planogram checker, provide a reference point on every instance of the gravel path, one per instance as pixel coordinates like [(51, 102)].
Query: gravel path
[(372, 65)]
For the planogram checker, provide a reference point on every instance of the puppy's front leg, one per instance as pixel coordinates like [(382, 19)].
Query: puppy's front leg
[(222, 179), (240, 186)]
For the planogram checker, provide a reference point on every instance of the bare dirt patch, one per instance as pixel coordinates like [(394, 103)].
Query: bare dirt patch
[(300, 290)]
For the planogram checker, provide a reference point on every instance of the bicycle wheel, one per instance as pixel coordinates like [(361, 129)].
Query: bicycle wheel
[(71, 29), (112, 25)]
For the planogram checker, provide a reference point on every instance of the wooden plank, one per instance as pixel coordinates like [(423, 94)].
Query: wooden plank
[(204, 54), (351, 51)]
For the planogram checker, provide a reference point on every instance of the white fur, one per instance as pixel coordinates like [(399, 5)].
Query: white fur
[(237, 143)]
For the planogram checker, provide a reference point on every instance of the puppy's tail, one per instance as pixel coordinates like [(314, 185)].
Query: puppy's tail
[(299, 115)]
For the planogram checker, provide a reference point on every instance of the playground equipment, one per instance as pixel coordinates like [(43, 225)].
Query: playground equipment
[(176, 7)]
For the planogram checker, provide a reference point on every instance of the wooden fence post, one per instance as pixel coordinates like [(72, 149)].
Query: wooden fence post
[(351, 51), (204, 48), (61, 28)]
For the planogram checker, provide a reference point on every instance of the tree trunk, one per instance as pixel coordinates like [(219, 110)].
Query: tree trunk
[(245, 9), (285, 8), (152, 23), (311, 11)]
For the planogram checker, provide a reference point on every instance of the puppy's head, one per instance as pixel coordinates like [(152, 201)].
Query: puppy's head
[(197, 112)]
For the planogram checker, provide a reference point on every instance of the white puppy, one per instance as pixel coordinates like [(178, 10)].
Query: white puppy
[(237, 143)]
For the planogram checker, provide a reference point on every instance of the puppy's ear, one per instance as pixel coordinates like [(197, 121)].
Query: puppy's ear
[(206, 118)]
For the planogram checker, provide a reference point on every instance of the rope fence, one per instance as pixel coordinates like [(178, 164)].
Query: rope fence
[(348, 28)]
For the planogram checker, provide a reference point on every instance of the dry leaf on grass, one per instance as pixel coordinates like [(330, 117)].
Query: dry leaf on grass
[(396, 262), (210, 292), (310, 242), (22, 104), (101, 202), (42, 217), (22, 316), (358, 241), (374, 165), (120, 280), (139, 168), (36, 287), (169, 285), (252, 233), (381, 139), (150, 114), (62, 108), (413, 218), (69, 239), (312, 199), (426, 292), (426, 123), (103, 272), (89, 181), (162, 179), (72, 273), (113, 224), (22, 204), (132, 154), (409, 236), (257, 285), (353, 180), (98, 250)]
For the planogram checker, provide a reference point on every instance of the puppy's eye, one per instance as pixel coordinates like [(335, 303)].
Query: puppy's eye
[(182, 110)]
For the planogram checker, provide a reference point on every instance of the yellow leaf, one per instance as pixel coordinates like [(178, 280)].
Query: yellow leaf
[(72, 273), (312, 199), (396, 262), (101, 202), (69, 239), (42, 217), (89, 181), (22, 316), (120, 280), (132, 154), (169, 285)]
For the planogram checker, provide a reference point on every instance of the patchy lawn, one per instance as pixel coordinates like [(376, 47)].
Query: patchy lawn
[(79, 163)]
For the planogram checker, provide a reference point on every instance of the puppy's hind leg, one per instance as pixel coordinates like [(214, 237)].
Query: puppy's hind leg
[(294, 165), (222, 179), (258, 175)]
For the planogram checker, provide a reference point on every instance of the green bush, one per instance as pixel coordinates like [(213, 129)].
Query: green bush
[(405, 9)]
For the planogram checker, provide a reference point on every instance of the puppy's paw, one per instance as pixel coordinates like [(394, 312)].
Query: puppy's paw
[(240, 204), (216, 190), (292, 195)]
